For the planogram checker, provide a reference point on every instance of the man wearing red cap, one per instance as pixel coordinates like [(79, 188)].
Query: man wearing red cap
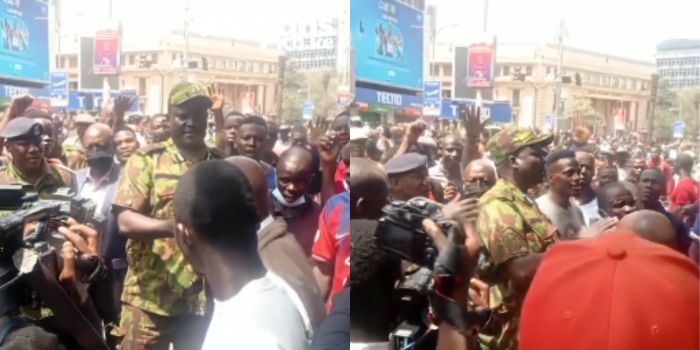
[(645, 296)]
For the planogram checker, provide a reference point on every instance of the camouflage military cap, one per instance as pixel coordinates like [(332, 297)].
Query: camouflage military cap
[(186, 91), (511, 139)]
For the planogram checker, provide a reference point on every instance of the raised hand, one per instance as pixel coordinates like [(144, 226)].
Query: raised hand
[(216, 93), (18, 105), (473, 124), (329, 149)]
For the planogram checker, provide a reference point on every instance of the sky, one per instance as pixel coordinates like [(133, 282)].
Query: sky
[(628, 28)]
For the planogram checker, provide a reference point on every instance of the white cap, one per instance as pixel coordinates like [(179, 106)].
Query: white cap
[(357, 134)]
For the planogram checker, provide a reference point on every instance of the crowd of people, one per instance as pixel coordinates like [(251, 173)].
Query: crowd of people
[(566, 240), (219, 231)]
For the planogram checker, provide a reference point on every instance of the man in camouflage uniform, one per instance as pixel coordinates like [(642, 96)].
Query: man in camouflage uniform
[(29, 167), (512, 229), (164, 299), (73, 149)]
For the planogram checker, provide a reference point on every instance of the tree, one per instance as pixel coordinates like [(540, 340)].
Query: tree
[(582, 112), (675, 104), (294, 94), (319, 86)]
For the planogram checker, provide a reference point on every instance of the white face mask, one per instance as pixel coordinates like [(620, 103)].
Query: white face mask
[(280, 198)]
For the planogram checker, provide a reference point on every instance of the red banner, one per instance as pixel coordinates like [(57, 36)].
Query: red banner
[(106, 55), (480, 66)]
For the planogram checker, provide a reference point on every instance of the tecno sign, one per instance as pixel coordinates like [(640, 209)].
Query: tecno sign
[(388, 98)]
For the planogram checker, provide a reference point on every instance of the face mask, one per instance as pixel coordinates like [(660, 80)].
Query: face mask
[(98, 154), (280, 198), (159, 136)]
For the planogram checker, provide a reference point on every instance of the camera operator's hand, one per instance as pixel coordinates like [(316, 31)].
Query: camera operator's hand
[(461, 210), (83, 238)]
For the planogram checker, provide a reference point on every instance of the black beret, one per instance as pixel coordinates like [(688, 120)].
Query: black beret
[(22, 127), (405, 163)]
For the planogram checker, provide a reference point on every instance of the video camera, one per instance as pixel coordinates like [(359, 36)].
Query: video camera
[(400, 230), (29, 264)]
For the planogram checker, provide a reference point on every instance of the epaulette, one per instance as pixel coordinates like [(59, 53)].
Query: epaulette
[(152, 148)]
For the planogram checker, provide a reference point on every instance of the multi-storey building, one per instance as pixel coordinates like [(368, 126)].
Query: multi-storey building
[(248, 71), (312, 44), (525, 75), (678, 62)]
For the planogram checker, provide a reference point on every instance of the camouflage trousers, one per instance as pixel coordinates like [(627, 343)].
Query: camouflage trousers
[(142, 330)]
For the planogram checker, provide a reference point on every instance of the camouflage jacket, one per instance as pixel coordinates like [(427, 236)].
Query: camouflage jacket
[(74, 153), (55, 176), (510, 225), (159, 279)]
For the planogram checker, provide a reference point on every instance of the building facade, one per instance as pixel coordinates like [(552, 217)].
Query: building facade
[(312, 44), (525, 75), (678, 62), (248, 71)]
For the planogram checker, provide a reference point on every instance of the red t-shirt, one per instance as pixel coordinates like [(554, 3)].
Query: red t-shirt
[(333, 240), (340, 177), (687, 192)]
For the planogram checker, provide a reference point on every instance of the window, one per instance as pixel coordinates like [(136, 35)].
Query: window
[(516, 98), (154, 58), (506, 71), (446, 94), (273, 68), (73, 85), (528, 70), (447, 71), (606, 81), (72, 62), (132, 60), (645, 85), (142, 86)]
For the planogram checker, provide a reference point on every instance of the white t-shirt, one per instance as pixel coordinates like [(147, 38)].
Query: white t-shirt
[(261, 316), (568, 220), (590, 212)]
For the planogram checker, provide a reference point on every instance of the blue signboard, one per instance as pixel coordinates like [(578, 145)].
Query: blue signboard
[(24, 43), (431, 98), (59, 89), (496, 112), (397, 100), (678, 128), (9, 91), (307, 110), (91, 100), (387, 38)]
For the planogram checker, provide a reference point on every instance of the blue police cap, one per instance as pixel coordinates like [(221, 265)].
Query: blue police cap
[(22, 127), (405, 163)]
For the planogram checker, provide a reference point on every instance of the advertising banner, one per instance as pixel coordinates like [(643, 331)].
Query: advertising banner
[(106, 53), (307, 110), (373, 96), (92, 100), (431, 98), (387, 38), (461, 89), (678, 129), (480, 65), (9, 91), (24, 39), (59, 89), (493, 111)]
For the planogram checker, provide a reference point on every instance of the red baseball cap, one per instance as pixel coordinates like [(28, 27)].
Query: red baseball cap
[(613, 292)]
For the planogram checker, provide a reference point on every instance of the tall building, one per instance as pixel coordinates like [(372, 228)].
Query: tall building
[(312, 44), (248, 71), (619, 88), (678, 62)]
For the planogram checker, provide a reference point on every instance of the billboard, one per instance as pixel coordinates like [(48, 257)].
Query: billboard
[(480, 65), (462, 90), (92, 100), (398, 100), (387, 37), (498, 112), (24, 35), (87, 80), (431, 98), (106, 55)]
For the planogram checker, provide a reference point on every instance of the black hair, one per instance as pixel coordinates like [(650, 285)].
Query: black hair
[(559, 155), (298, 128), (235, 114), (205, 206), (604, 194), (658, 174), (374, 272), (254, 119), (684, 161)]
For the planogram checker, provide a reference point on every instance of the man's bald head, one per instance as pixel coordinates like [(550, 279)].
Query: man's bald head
[(255, 174), (650, 225), (480, 167), (97, 131), (369, 189), (295, 159)]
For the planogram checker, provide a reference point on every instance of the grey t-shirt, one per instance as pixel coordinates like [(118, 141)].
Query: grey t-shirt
[(569, 220)]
